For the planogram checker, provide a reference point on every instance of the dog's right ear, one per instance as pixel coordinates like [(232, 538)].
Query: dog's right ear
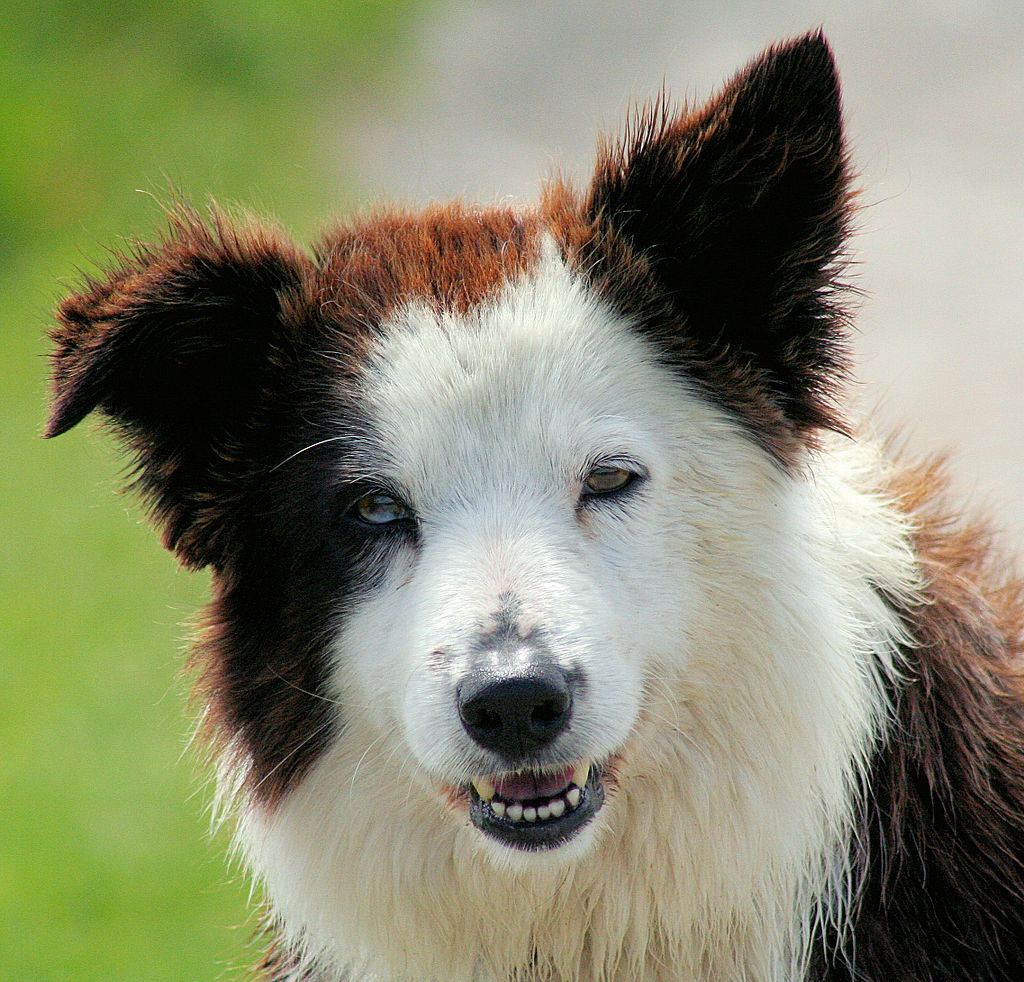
[(174, 347)]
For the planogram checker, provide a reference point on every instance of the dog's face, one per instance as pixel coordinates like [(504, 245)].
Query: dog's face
[(471, 481), (526, 458)]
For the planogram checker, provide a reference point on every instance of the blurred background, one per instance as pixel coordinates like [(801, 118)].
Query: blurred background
[(299, 110)]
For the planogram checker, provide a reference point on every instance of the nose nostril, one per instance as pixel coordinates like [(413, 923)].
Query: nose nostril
[(549, 711), (480, 717)]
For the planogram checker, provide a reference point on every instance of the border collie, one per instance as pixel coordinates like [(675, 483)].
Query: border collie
[(564, 626)]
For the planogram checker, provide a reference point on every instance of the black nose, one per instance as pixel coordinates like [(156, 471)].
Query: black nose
[(515, 714)]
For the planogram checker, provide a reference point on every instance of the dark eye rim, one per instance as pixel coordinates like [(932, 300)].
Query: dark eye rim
[(635, 473), (404, 521)]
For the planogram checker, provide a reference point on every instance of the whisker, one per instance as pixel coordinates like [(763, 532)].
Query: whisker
[(359, 763), (305, 692), (312, 446)]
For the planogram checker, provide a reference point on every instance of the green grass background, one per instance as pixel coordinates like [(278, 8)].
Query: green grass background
[(107, 869)]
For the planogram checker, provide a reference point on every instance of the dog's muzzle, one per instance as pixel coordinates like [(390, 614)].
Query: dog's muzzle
[(516, 715)]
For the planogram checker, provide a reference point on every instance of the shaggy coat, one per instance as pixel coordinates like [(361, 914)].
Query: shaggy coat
[(774, 724)]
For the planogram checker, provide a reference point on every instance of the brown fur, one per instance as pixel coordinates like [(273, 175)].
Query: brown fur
[(450, 256)]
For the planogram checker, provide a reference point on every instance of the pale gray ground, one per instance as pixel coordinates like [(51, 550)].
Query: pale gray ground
[(502, 92)]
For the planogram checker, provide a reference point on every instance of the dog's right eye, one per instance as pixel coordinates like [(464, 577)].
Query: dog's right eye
[(379, 508)]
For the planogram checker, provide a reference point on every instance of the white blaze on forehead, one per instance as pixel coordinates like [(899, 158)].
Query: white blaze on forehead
[(542, 378)]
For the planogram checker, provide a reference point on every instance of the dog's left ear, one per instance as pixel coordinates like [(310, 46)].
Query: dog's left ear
[(737, 213)]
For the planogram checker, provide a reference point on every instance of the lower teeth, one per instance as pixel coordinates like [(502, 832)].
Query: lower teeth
[(554, 808)]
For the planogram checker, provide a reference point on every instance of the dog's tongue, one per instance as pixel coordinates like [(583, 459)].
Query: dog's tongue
[(523, 787)]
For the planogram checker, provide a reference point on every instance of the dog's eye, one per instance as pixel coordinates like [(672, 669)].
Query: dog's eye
[(607, 480), (379, 508)]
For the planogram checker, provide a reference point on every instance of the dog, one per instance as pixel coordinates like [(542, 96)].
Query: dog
[(564, 624)]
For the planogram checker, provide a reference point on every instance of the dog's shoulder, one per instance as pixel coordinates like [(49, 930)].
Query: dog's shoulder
[(940, 849)]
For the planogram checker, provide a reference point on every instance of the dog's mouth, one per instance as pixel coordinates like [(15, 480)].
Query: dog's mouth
[(536, 811)]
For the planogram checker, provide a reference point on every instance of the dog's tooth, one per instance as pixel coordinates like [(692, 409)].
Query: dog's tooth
[(530, 813), (484, 788), (556, 807), (514, 811), (498, 807), (544, 812), (573, 797), (580, 775)]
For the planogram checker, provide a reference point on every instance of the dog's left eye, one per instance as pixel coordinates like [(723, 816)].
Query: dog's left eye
[(607, 480), (379, 508)]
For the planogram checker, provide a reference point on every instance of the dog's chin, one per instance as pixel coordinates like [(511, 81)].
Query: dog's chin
[(510, 861), (525, 819)]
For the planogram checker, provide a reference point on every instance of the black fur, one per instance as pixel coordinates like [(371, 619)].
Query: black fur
[(724, 227)]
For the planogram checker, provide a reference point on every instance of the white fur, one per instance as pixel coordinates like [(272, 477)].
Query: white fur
[(726, 617)]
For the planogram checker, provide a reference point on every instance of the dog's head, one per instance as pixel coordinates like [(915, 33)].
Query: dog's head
[(470, 481)]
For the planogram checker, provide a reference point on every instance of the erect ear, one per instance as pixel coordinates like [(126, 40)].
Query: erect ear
[(735, 216), (174, 348)]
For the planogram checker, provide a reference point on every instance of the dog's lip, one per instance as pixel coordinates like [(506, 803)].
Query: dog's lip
[(536, 810)]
